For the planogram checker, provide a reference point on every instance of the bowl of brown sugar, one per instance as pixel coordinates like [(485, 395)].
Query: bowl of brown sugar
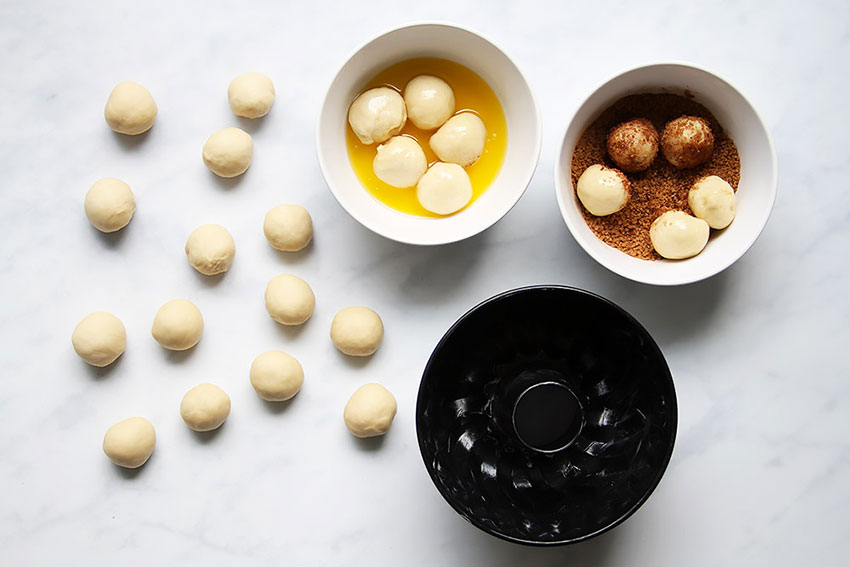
[(666, 174)]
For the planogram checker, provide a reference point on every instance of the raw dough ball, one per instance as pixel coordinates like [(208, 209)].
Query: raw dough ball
[(460, 140), (357, 331), (289, 300), (444, 189), (178, 325), (130, 109), (250, 95), (288, 227), (100, 338), (633, 145), (210, 249), (129, 443), (228, 152), (430, 101), (276, 376), (110, 204), (400, 162), (713, 200), (677, 235), (205, 407), (687, 141), (602, 190), (377, 115), (370, 411)]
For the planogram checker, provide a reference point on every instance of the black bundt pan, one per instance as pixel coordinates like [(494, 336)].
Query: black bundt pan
[(601, 385)]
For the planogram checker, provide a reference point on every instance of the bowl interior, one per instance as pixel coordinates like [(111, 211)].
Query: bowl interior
[(476, 53), (756, 190), (586, 460)]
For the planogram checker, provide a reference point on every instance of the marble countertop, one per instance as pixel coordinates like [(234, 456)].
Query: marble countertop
[(759, 352)]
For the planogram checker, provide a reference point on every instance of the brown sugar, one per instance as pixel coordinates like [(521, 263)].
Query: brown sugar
[(660, 188)]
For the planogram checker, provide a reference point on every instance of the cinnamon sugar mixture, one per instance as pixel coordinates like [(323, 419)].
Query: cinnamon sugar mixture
[(661, 187)]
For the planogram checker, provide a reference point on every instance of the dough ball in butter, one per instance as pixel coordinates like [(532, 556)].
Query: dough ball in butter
[(288, 228), (370, 411), (250, 95), (110, 204), (130, 109), (430, 101), (602, 190), (130, 443), (357, 331), (228, 152), (377, 115), (289, 300), (210, 249), (400, 162), (460, 140), (713, 200), (100, 338), (205, 407), (677, 235), (178, 325), (444, 189), (276, 376)]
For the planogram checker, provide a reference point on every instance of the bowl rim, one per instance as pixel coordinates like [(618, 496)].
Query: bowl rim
[(625, 272), (667, 378), (502, 211)]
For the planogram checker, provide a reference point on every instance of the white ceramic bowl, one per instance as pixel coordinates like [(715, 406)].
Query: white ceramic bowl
[(756, 189), (464, 47)]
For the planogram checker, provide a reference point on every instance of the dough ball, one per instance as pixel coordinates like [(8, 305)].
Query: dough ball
[(250, 95), (288, 227), (677, 235), (100, 338), (130, 443), (289, 300), (357, 331), (377, 115), (130, 109), (210, 249), (602, 190), (430, 101), (228, 152), (713, 200), (178, 325), (370, 411), (460, 140), (205, 407), (444, 189), (110, 204), (633, 145), (276, 376), (400, 162), (687, 141)]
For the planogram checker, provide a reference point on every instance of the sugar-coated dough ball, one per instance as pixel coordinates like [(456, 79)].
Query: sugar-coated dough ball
[(713, 200), (276, 376), (100, 338), (288, 228), (602, 190), (370, 411), (357, 331), (130, 109), (289, 300), (377, 115), (444, 189), (677, 235), (130, 443), (178, 325), (210, 249), (633, 145), (110, 204), (687, 141), (400, 162), (228, 152), (205, 407), (250, 95), (430, 101), (460, 140)]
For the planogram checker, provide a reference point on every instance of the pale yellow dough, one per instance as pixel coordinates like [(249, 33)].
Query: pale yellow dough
[(100, 338), (178, 325), (130, 443), (276, 376), (250, 95), (210, 249), (370, 411), (289, 300), (357, 331), (130, 109), (228, 152), (110, 204), (377, 115), (288, 228), (205, 407)]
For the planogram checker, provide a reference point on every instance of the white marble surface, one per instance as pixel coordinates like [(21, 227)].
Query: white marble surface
[(759, 353)]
